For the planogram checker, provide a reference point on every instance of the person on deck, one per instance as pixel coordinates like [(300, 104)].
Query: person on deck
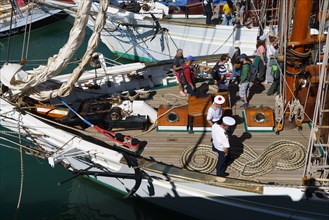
[(219, 72), (227, 11), (177, 67), (244, 79), (260, 60), (242, 11), (236, 64), (275, 86), (189, 76), (215, 111), (271, 53), (221, 144), (208, 8)]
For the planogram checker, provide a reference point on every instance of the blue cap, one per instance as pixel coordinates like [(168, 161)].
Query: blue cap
[(190, 58), (242, 56)]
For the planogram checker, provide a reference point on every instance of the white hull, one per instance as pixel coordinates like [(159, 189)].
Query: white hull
[(194, 40), (138, 40), (138, 37), (36, 17)]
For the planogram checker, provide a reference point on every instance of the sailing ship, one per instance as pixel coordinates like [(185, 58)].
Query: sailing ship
[(175, 169), (16, 16)]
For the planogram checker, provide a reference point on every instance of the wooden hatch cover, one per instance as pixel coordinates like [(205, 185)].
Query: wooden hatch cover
[(259, 118)]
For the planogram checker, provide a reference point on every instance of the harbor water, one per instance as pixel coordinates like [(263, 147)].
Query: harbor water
[(41, 196)]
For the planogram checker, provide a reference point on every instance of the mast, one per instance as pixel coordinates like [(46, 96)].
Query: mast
[(299, 34), (302, 72)]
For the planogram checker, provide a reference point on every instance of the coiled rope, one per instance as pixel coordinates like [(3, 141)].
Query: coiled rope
[(199, 158), (172, 99), (283, 155)]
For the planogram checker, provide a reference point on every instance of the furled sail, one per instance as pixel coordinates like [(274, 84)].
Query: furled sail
[(42, 92), (19, 81)]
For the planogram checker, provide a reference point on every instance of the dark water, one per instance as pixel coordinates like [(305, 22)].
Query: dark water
[(42, 198)]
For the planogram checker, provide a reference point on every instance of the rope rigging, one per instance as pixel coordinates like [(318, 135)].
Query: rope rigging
[(27, 31), (298, 61), (10, 27), (21, 161), (134, 42), (224, 41)]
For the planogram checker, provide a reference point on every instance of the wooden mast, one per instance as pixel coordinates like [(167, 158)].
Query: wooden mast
[(299, 34)]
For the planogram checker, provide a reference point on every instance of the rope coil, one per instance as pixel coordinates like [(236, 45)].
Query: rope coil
[(282, 155), (189, 158)]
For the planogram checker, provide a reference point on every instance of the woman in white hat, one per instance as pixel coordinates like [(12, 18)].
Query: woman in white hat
[(221, 144), (215, 110)]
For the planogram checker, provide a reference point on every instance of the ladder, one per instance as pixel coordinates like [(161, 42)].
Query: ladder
[(317, 160)]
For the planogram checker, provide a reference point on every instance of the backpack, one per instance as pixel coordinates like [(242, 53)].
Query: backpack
[(182, 78), (252, 73)]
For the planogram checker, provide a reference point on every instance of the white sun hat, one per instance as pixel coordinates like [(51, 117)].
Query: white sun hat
[(228, 120), (219, 99)]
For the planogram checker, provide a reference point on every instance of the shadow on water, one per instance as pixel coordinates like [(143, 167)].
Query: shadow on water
[(80, 198)]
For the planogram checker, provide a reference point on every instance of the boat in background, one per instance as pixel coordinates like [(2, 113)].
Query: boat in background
[(16, 17), (169, 9), (146, 38)]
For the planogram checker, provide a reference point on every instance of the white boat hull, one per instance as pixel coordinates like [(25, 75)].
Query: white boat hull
[(36, 17), (134, 37), (136, 43)]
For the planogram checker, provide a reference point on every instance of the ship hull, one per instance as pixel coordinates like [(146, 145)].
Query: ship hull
[(140, 42), (37, 19)]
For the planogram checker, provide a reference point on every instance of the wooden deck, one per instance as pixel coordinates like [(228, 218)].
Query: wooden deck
[(168, 146)]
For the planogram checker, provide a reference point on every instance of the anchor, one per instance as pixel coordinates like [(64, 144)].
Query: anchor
[(132, 162)]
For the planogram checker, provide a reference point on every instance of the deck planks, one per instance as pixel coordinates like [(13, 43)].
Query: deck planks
[(167, 147)]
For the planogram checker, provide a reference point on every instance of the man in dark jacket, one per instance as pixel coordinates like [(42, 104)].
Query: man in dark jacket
[(208, 8)]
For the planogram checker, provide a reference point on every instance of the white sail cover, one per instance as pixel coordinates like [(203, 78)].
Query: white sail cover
[(19, 81)]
